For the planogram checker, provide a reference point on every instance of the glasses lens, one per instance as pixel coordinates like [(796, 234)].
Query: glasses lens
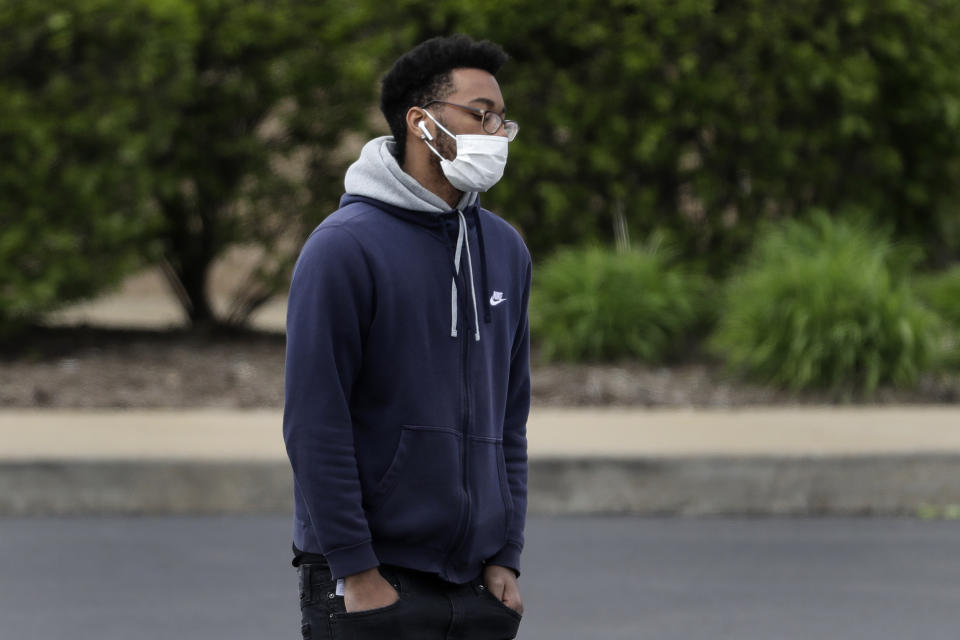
[(491, 122)]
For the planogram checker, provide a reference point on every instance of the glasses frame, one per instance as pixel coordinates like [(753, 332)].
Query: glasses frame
[(482, 114)]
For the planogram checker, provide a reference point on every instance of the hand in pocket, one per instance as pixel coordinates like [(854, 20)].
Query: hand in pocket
[(502, 583), (368, 590)]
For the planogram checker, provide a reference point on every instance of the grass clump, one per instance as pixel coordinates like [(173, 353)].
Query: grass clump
[(941, 292), (593, 304), (825, 304)]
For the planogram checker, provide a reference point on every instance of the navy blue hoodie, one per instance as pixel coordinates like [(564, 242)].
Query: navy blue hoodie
[(407, 380)]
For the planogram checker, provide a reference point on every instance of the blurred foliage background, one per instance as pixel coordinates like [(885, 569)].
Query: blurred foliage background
[(733, 133)]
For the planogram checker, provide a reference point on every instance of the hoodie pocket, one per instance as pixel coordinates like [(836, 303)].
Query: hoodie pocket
[(491, 506), (419, 498)]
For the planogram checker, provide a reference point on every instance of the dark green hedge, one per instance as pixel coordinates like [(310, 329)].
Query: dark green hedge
[(707, 117), (83, 91), (138, 128)]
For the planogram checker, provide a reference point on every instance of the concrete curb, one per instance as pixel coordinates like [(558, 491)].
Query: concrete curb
[(90, 487), (834, 485), (703, 485)]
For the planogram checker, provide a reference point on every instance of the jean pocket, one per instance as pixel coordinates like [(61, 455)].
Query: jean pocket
[(383, 622), (368, 613), (389, 574), (485, 593)]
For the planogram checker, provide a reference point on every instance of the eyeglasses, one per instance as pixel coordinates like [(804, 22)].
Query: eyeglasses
[(490, 121)]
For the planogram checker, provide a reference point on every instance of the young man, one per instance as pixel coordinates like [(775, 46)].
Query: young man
[(407, 374)]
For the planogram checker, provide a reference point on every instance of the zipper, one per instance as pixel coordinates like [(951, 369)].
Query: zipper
[(465, 336)]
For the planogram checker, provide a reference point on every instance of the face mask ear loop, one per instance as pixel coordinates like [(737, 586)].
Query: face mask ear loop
[(435, 152), (436, 122), (442, 128)]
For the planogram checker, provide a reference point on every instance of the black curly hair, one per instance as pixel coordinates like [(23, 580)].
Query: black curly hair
[(423, 74)]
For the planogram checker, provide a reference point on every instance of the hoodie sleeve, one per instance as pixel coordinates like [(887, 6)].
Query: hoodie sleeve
[(329, 311), (515, 436)]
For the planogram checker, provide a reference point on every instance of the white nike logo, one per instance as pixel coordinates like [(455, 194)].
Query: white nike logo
[(497, 298)]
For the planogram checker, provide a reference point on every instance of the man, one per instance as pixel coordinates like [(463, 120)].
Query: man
[(407, 374)]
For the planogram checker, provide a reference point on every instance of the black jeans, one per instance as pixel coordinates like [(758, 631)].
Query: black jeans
[(428, 609)]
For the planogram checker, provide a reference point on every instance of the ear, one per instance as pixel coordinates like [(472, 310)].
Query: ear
[(419, 125)]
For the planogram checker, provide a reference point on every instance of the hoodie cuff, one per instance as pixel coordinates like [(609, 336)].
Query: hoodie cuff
[(347, 561), (508, 556)]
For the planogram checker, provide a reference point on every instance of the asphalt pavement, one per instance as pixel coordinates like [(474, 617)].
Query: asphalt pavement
[(228, 578)]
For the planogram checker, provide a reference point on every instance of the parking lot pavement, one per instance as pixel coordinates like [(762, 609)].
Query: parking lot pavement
[(609, 578)]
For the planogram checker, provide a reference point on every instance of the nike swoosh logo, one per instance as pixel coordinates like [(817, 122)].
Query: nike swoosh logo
[(495, 301)]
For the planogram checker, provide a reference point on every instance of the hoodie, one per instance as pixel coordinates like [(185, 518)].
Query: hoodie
[(407, 380)]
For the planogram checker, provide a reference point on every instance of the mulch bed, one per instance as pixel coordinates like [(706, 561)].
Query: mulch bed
[(104, 368)]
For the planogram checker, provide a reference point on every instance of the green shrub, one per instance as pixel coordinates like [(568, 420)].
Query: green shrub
[(824, 304), (593, 304), (941, 292)]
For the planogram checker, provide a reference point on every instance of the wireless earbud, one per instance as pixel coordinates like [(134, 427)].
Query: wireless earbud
[(426, 134)]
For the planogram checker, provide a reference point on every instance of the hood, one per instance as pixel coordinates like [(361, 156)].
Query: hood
[(377, 175)]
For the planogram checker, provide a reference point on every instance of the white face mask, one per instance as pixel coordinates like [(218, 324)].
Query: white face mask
[(479, 163)]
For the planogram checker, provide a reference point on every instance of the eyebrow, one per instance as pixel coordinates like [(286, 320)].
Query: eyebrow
[(488, 102)]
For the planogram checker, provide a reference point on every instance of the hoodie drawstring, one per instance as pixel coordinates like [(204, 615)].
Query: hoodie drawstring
[(483, 267), (463, 239), (453, 285)]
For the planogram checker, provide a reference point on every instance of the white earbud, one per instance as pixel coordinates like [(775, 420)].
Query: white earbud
[(426, 134)]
